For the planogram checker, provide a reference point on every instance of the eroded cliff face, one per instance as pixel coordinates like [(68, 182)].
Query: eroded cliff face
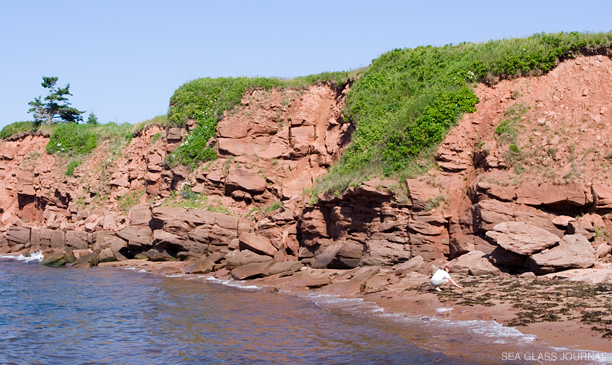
[(546, 169)]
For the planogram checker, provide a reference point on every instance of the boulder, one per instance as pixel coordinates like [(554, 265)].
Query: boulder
[(107, 255), (573, 252), (200, 266), (235, 259), (257, 244), (421, 194), (248, 271), (18, 235), (603, 250), (163, 239), (565, 196), (412, 265), (494, 191), (57, 259), (158, 254), (484, 267), (246, 180), (76, 239), (354, 285), (309, 279), (385, 253), (563, 220), (522, 238), (57, 239), (170, 270), (285, 268), (339, 255), (587, 225), (137, 237), (488, 213), (140, 215), (603, 197), (88, 260)]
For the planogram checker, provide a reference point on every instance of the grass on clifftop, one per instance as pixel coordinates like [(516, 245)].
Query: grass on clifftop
[(204, 100), (407, 100)]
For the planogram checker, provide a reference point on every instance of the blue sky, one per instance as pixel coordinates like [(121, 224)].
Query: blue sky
[(124, 59)]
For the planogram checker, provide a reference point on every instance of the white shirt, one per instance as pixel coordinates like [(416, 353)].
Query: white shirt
[(440, 275)]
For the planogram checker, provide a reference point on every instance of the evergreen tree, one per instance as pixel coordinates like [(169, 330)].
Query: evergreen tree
[(55, 106), (92, 119)]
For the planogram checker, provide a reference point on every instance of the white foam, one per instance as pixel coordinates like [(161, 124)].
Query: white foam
[(142, 270), (36, 256), (488, 329), (174, 275), (231, 282)]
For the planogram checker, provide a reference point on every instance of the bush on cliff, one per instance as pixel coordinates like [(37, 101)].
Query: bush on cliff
[(407, 99), (18, 127), (72, 138), (204, 100)]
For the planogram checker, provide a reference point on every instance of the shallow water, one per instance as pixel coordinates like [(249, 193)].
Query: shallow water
[(116, 316)]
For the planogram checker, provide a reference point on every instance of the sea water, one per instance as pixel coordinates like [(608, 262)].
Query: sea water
[(119, 316)]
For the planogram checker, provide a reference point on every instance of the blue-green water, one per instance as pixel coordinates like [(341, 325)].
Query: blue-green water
[(116, 316)]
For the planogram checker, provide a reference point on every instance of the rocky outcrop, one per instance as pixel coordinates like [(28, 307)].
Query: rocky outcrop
[(573, 252), (522, 238)]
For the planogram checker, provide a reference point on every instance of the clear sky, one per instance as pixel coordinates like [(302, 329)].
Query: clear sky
[(124, 59)]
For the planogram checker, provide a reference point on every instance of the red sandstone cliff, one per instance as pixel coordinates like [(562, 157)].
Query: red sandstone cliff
[(552, 188)]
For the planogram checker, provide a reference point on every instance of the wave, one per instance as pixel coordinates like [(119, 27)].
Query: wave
[(36, 256), (231, 282)]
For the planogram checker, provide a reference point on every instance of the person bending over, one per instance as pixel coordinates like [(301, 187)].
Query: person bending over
[(440, 277)]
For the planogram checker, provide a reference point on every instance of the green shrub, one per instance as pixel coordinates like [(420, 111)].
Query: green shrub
[(204, 100), (156, 137), (508, 129), (159, 120), (127, 201), (406, 101), (272, 207), (72, 139), (18, 127), (71, 166)]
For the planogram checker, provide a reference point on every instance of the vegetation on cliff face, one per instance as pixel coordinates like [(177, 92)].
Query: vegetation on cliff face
[(407, 99), (204, 100), (18, 127), (403, 104)]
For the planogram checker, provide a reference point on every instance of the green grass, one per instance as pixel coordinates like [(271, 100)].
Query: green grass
[(18, 127), (127, 201), (71, 166), (408, 99), (161, 120), (508, 130), (204, 100)]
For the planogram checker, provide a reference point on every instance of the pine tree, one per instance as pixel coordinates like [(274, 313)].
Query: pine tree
[(55, 106)]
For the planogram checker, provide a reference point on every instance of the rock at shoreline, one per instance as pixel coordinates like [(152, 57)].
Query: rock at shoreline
[(201, 266), (412, 265), (18, 235), (285, 268), (354, 285), (310, 279), (235, 259), (137, 237), (573, 252), (522, 238), (250, 271)]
